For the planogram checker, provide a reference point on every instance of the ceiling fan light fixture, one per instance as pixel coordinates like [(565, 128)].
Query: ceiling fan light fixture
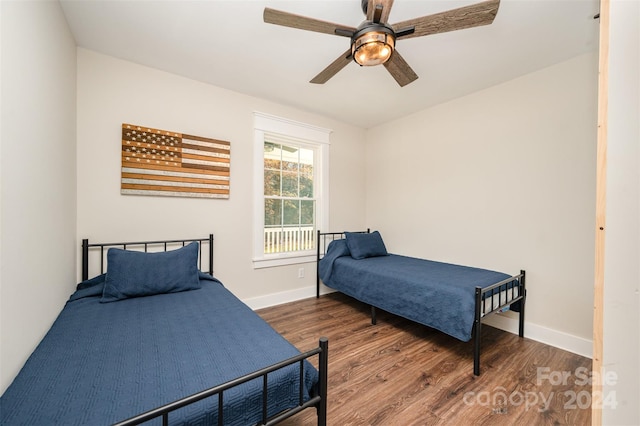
[(373, 47)]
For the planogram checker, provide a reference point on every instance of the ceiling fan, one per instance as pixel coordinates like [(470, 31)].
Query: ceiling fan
[(373, 41)]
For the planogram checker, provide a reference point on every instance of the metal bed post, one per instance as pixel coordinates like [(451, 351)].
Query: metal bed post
[(85, 259), (211, 254), (477, 332), (323, 366), (522, 303), (318, 266)]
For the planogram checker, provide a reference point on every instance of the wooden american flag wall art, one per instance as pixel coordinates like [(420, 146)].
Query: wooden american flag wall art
[(160, 162)]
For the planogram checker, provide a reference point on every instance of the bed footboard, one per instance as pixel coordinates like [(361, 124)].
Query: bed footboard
[(319, 401), (496, 298)]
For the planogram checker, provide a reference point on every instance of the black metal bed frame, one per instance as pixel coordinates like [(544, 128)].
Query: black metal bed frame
[(481, 294), (144, 245), (319, 400)]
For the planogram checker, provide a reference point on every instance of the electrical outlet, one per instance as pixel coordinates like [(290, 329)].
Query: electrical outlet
[(301, 273)]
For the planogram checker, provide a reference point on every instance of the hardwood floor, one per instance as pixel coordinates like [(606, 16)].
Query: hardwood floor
[(401, 373)]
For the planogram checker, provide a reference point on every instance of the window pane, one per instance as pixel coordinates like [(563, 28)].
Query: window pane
[(306, 156), (272, 156), (307, 215), (272, 163), (272, 182), (291, 212), (306, 172), (306, 185), (272, 212), (290, 158), (289, 184)]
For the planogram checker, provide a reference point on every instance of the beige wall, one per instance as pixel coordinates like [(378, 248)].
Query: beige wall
[(38, 176), (112, 92), (502, 179)]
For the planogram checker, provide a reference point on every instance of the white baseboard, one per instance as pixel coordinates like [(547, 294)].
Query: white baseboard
[(558, 339), (548, 336), (280, 298)]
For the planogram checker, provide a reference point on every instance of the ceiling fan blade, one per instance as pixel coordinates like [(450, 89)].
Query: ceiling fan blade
[(378, 10), (333, 68), (286, 19), (386, 10), (400, 69), (474, 15)]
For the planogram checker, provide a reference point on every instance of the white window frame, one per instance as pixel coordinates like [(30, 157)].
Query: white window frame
[(312, 136)]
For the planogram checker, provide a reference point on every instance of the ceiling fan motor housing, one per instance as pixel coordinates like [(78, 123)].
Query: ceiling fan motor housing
[(372, 43)]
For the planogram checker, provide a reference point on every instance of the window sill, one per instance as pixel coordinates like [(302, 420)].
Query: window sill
[(269, 262)]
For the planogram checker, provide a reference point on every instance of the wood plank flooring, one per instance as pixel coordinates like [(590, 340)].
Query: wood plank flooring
[(401, 373)]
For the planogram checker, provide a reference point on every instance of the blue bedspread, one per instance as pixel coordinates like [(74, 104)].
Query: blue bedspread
[(105, 362), (435, 294)]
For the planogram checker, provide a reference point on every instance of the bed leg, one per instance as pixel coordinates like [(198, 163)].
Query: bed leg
[(521, 320), (323, 384), (477, 332), (522, 304), (373, 315), (476, 348)]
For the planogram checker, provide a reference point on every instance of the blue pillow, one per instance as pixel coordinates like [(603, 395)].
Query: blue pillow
[(91, 282), (135, 274), (337, 248), (363, 245)]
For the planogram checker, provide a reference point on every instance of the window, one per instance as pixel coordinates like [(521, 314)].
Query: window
[(289, 203), (291, 190)]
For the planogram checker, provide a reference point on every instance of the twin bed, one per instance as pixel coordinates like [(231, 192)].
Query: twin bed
[(156, 339), (450, 298)]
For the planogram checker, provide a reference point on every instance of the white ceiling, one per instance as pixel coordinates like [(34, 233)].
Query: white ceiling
[(226, 43)]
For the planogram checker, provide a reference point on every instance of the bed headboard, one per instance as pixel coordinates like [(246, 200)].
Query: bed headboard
[(323, 241), (325, 238), (100, 249)]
